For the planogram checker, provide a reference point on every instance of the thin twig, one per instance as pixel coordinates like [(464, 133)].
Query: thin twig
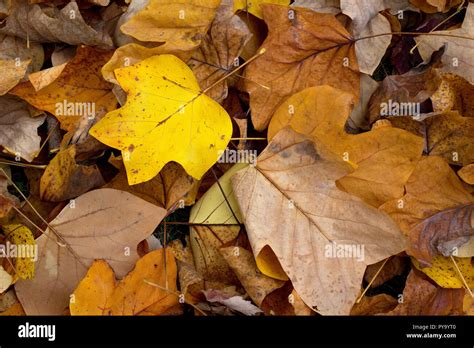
[(61, 241), (462, 277), (372, 280), (23, 165), (248, 138), (199, 224), (34, 225), (175, 293)]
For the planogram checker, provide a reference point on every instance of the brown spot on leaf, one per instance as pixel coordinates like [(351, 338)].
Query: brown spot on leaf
[(307, 148)]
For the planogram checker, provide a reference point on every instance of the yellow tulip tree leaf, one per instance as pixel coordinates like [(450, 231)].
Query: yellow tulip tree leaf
[(166, 118), (253, 6), (444, 273)]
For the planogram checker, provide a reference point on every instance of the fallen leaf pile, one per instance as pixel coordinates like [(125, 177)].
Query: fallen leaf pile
[(237, 158)]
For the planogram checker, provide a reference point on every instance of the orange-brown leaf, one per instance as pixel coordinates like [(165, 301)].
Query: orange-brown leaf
[(310, 50)]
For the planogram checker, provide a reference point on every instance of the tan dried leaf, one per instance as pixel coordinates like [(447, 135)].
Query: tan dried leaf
[(290, 203)]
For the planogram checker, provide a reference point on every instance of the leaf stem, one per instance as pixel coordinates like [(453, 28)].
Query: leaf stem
[(459, 9), (262, 51), (19, 164), (175, 293)]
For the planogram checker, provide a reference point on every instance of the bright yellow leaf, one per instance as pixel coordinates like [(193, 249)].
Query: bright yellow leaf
[(166, 118), (444, 273), (23, 238), (253, 6)]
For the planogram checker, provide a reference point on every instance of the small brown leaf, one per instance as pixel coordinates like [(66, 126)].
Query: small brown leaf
[(64, 179), (415, 86)]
